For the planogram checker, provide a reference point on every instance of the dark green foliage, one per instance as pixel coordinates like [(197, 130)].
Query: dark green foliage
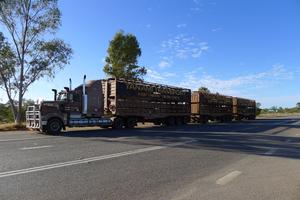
[(258, 105), (7, 61), (258, 111), (204, 89), (123, 53), (30, 56), (6, 114)]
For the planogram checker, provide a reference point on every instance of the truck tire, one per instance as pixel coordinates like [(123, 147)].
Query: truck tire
[(186, 120), (179, 121), (157, 123), (118, 123), (54, 127), (170, 121), (130, 122), (203, 120)]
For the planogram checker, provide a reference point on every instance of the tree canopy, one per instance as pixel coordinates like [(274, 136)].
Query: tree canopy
[(204, 89), (258, 105), (123, 53), (30, 56)]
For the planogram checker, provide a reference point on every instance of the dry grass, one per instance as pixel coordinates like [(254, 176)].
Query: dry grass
[(12, 127)]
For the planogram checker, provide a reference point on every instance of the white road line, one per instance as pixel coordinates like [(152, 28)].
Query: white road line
[(36, 147), (270, 152), (227, 178), (87, 160), (31, 138), (118, 138)]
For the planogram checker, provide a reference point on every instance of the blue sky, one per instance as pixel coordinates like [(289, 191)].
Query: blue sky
[(245, 48)]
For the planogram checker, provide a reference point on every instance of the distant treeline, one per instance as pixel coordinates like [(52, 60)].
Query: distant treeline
[(275, 109)]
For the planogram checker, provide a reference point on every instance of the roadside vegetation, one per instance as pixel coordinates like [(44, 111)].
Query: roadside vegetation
[(12, 127), (7, 117)]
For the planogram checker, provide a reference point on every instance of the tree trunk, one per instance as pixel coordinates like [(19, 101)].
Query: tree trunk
[(22, 62), (19, 113), (13, 109)]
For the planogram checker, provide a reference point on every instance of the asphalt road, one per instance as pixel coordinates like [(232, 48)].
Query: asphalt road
[(241, 160)]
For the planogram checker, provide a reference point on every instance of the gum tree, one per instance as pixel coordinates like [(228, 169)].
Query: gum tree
[(204, 90), (30, 26), (123, 53)]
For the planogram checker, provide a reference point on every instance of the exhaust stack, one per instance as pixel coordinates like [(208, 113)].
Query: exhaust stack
[(55, 94), (70, 81), (84, 97)]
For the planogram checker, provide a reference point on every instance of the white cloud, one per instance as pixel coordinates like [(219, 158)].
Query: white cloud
[(183, 47), (238, 84), (169, 74), (164, 64), (249, 86), (160, 77), (216, 29), (195, 9), (152, 74), (181, 25)]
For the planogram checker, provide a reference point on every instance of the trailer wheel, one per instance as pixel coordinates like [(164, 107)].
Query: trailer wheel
[(179, 121), (170, 121), (157, 123), (229, 119), (203, 120), (186, 120), (130, 123), (54, 127), (118, 123)]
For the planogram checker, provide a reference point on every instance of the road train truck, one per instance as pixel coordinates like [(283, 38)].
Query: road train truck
[(115, 103)]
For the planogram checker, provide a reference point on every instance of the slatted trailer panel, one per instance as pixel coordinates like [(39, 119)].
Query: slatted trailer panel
[(144, 100), (244, 108), (209, 106)]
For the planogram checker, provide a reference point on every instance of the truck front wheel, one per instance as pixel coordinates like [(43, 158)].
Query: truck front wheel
[(118, 123), (54, 127)]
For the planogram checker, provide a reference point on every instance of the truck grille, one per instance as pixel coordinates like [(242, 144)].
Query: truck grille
[(33, 117)]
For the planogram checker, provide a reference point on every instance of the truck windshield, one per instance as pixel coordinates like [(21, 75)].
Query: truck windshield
[(62, 97)]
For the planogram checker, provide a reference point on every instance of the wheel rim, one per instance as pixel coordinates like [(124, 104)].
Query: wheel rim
[(54, 126)]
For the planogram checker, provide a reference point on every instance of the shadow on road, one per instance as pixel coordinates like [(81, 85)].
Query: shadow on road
[(253, 137)]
